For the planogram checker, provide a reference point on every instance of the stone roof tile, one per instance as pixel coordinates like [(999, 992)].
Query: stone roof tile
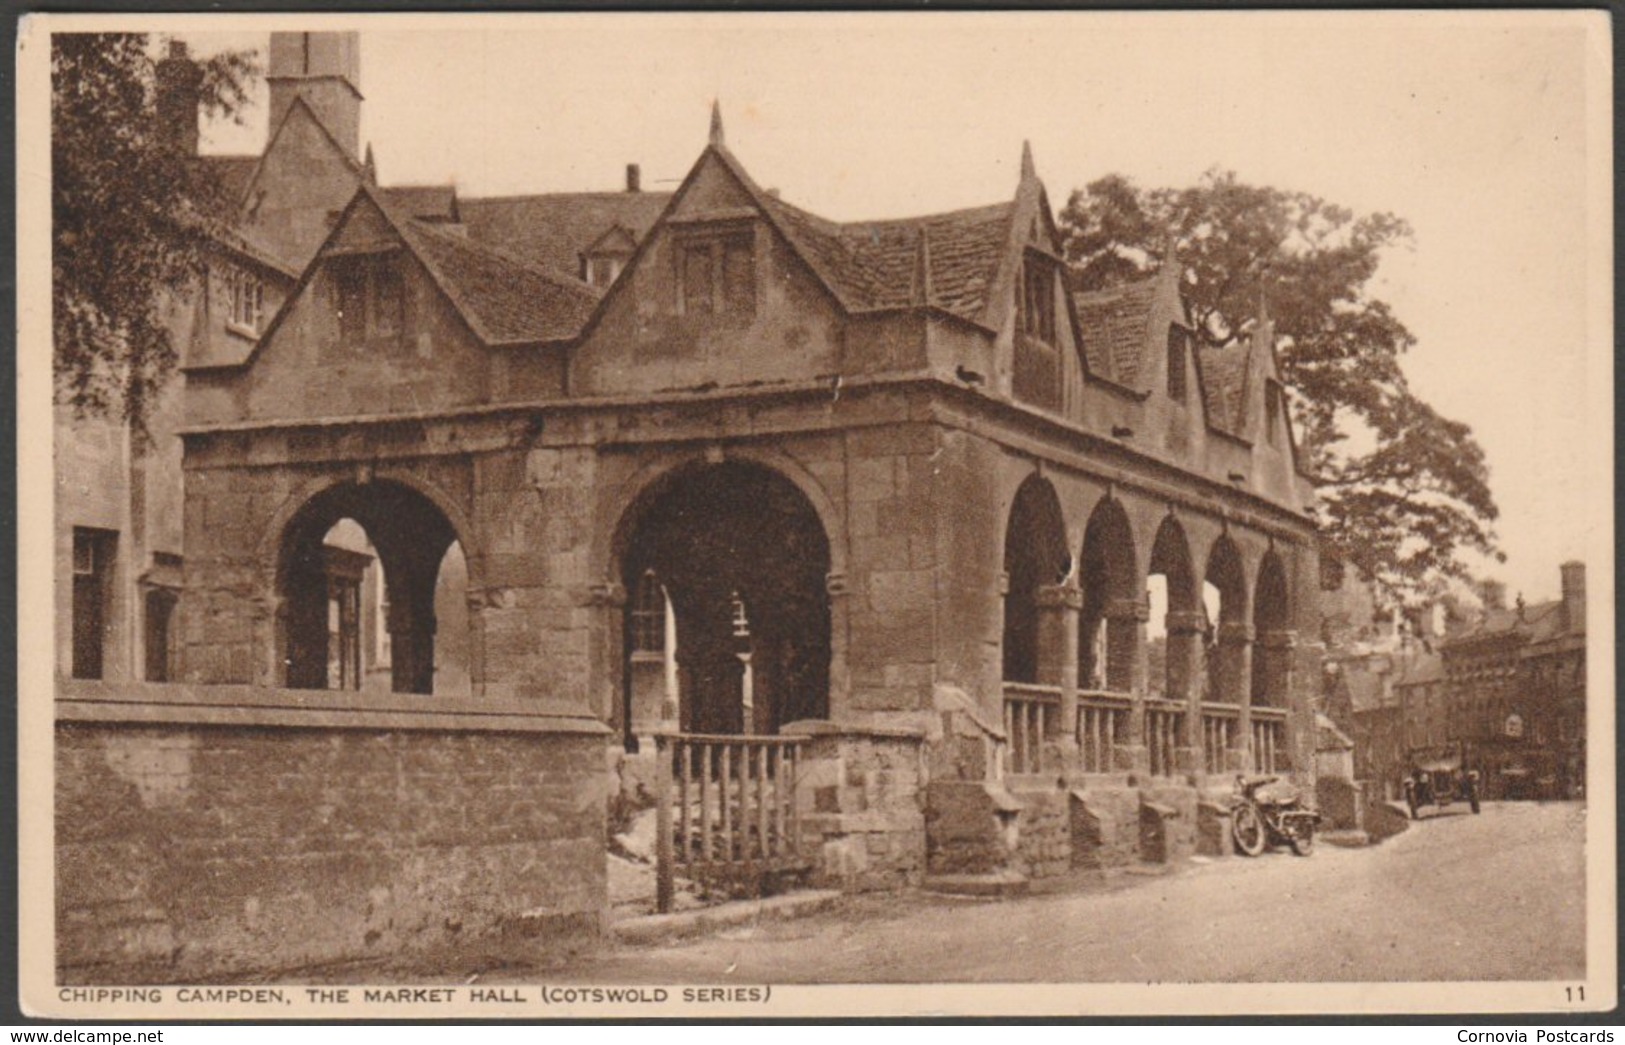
[(1113, 325), (552, 230), (876, 264), (504, 299)]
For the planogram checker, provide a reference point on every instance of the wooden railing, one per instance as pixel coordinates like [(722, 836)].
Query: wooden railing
[(1032, 714), (1219, 724), (726, 814), (1164, 720), (1102, 728), (1269, 739)]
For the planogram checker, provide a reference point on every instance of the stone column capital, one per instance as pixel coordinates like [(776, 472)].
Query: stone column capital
[(1235, 632), (1129, 609), (1278, 638), (1186, 622)]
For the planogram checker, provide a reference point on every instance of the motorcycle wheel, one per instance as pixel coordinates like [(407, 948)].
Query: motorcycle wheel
[(1303, 839), (1247, 827)]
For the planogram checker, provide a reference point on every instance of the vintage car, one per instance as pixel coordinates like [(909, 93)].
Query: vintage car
[(1438, 782)]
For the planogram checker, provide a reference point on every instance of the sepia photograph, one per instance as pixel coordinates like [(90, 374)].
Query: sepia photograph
[(796, 514)]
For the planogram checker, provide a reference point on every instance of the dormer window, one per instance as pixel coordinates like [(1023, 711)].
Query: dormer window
[(1176, 363), (716, 274), (1272, 412), (1038, 299), (245, 302), (370, 297), (600, 270)]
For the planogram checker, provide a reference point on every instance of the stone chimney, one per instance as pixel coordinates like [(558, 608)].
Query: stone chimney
[(634, 178), (1493, 594), (1574, 595), (179, 79), (324, 69)]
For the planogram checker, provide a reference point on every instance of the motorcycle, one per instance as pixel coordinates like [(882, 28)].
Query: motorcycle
[(1266, 811)]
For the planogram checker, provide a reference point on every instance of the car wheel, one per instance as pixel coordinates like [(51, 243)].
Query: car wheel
[(1248, 829), (1303, 839)]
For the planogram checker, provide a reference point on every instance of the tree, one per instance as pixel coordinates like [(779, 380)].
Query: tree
[(132, 211), (1404, 491)]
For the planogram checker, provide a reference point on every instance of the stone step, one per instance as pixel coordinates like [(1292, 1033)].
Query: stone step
[(996, 884)]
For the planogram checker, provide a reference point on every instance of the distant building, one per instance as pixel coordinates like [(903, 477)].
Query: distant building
[(1514, 694)]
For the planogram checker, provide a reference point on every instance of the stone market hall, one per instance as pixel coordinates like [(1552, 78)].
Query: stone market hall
[(870, 552)]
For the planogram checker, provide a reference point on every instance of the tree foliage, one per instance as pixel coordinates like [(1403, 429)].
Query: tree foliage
[(132, 214), (1404, 490)]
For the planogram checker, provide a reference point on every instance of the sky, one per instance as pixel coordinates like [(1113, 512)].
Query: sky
[(1478, 128)]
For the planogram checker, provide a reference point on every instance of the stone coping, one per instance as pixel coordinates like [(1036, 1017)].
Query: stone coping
[(196, 704), (822, 728)]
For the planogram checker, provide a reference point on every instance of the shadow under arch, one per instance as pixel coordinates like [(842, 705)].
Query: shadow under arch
[(1272, 623), (743, 557), (1035, 557), (1183, 622), (411, 534), (1108, 628)]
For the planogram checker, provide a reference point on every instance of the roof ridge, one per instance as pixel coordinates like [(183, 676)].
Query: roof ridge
[(605, 193), (958, 212)]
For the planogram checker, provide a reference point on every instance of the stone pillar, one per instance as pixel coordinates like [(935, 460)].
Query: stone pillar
[(612, 680), (411, 639), (1058, 606), (475, 599), (840, 673), (1233, 686), (1126, 670), (1276, 649), (1184, 680)]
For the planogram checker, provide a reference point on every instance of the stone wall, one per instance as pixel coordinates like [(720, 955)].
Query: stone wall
[(862, 798), (255, 840)]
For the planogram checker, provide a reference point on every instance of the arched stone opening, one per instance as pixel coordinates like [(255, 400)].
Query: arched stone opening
[(1229, 646), (1177, 621), (368, 576), (1273, 634), (734, 557), (1036, 565), (1112, 622)]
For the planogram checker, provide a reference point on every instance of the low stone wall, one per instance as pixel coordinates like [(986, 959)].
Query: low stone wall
[(1342, 803), (208, 833), (1044, 832), (861, 792)]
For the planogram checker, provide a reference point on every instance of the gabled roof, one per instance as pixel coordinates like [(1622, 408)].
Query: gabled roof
[(504, 300), (1114, 325), (298, 105), (554, 229), (877, 265), (618, 240)]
